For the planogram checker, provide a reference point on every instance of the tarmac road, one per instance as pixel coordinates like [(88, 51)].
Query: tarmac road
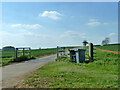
[(14, 74)]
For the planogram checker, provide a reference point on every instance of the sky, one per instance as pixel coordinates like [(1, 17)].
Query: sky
[(51, 24)]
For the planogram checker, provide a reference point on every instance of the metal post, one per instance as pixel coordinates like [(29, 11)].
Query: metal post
[(16, 52), (23, 52), (30, 52), (91, 52), (57, 51)]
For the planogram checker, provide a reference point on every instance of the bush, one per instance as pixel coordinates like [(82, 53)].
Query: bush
[(22, 58)]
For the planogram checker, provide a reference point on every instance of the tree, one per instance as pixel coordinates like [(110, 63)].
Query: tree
[(85, 42), (8, 48), (103, 42), (106, 41)]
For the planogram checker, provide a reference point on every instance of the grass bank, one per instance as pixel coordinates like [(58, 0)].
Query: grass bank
[(102, 73)]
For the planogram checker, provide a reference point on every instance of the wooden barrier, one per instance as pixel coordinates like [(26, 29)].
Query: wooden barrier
[(23, 51)]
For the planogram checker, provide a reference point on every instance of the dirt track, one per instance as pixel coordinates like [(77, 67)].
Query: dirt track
[(13, 75), (108, 51)]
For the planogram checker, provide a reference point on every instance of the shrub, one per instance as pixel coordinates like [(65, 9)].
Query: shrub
[(22, 58)]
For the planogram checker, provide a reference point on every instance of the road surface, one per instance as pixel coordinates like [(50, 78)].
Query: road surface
[(14, 74)]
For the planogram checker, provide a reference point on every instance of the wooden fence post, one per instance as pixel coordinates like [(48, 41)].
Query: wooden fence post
[(91, 52), (16, 52), (57, 51)]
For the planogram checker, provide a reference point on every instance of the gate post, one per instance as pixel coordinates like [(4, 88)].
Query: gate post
[(16, 52), (30, 52), (91, 52), (57, 51)]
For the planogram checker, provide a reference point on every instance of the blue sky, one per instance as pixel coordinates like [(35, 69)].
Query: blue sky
[(38, 24)]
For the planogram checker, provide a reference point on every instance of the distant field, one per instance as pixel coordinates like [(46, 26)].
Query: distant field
[(40, 52), (109, 47)]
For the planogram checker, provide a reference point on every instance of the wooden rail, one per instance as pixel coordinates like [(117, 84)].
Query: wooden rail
[(23, 51)]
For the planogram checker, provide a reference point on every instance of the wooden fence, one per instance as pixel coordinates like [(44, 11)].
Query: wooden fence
[(89, 53), (25, 51), (62, 51)]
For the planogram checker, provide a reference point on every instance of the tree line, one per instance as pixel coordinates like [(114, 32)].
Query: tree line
[(104, 42)]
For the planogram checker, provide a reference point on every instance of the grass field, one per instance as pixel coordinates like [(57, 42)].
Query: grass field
[(102, 73), (40, 52), (110, 47), (8, 57)]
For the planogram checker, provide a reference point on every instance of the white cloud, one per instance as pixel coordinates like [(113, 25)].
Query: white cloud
[(105, 23), (16, 25), (51, 14), (34, 26), (111, 34), (28, 26), (21, 39), (93, 22), (12, 39), (35, 40), (70, 38), (73, 34)]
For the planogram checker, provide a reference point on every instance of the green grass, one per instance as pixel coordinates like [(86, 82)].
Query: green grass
[(102, 73), (9, 56), (109, 47), (6, 57), (40, 52)]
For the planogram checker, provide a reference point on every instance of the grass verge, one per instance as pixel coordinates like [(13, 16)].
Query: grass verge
[(102, 73)]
